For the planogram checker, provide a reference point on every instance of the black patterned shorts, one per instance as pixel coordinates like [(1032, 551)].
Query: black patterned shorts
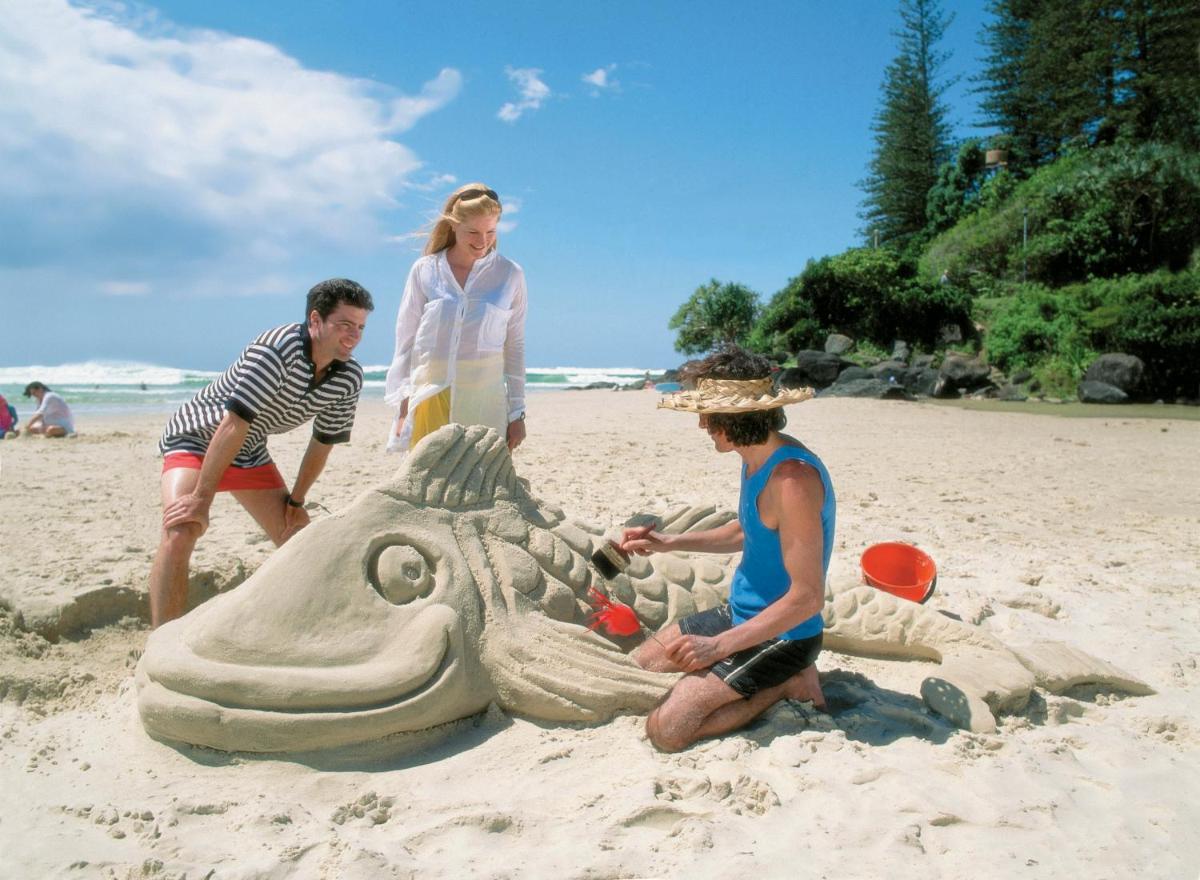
[(757, 668)]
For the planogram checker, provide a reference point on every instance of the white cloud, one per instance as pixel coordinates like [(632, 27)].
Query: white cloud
[(601, 79), (533, 92), (512, 206), (126, 141), (125, 288)]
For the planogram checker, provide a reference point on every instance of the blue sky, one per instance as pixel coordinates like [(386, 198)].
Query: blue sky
[(178, 174)]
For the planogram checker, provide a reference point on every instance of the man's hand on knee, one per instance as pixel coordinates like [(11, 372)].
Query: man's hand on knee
[(189, 508)]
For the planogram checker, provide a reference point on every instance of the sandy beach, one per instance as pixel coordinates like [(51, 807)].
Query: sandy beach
[(1080, 531)]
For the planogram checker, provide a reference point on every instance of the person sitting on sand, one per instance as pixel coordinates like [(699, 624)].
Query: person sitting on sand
[(761, 647), (217, 441), (52, 418), (8, 419)]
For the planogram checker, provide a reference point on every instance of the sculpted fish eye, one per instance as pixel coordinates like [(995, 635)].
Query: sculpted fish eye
[(400, 574)]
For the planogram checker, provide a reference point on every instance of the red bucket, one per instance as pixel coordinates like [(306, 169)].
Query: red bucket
[(900, 569)]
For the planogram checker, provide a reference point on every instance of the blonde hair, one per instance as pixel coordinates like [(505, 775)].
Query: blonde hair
[(456, 211)]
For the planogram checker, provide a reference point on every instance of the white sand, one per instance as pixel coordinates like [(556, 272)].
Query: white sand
[(1082, 531)]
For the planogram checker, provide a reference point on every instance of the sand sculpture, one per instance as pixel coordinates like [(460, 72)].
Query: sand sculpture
[(450, 587)]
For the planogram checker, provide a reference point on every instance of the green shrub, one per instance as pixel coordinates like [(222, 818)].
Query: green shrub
[(1155, 317), (1036, 325), (1095, 213), (1057, 333), (869, 294)]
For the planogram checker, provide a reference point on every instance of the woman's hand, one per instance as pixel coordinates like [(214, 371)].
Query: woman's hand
[(516, 434), (401, 416)]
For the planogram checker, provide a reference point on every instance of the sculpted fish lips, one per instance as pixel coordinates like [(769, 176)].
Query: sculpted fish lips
[(421, 660)]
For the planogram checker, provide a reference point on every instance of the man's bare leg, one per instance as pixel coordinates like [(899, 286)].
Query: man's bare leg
[(806, 685), (651, 655), (169, 574), (675, 722), (268, 508), (692, 712)]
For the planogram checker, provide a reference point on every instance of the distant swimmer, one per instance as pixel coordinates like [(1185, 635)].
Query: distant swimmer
[(217, 441)]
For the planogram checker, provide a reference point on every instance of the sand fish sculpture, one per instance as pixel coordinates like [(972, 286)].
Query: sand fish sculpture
[(451, 587)]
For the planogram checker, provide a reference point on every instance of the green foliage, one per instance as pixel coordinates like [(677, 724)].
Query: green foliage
[(869, 294), (1057, 333), (911, 133), (956, 192), (1094, 213), (787, 323), (1104, 71), (715, 314)]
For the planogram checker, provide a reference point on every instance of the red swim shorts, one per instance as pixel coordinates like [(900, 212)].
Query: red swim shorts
[(265, 476)]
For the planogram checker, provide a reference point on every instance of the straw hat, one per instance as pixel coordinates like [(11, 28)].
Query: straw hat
[(733, 396)]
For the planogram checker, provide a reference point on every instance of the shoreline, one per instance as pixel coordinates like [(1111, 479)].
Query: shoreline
[(102, 412)]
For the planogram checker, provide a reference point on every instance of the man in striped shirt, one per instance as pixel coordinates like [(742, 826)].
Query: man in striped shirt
[(217, 441)]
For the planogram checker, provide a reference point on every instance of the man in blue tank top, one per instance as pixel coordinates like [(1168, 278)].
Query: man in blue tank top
[(743, 657)]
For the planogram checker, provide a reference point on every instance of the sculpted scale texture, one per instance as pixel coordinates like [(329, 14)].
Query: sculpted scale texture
[(451, 587)]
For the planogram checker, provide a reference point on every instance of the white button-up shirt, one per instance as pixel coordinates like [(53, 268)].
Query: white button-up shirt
[(470, 339)]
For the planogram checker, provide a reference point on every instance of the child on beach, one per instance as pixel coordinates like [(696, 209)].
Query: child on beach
[(8, 419), (460, 332)]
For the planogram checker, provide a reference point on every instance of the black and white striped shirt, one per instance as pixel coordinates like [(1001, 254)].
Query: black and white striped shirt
[(271, 387)]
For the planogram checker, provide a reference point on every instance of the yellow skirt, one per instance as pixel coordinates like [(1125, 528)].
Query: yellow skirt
[(430, 414)]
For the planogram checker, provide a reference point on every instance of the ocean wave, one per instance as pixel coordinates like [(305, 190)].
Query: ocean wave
[(104, 372)]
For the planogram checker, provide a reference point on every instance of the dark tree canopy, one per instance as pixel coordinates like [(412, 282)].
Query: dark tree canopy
[(1060, 72)]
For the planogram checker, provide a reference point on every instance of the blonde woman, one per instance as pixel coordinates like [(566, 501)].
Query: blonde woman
[(460, 333)]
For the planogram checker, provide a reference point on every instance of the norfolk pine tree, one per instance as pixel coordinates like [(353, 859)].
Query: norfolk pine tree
[(912, 137)]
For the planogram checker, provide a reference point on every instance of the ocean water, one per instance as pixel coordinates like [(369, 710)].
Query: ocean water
[(116, 387)]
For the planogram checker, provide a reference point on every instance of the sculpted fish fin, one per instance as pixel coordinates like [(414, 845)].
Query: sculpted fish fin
[(563, 672), (456, 466), (1058, 668)]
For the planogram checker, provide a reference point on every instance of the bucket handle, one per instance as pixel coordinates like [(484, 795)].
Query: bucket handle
[(929, 592)]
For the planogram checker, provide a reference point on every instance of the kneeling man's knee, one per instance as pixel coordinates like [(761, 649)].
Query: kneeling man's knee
[(660, 737)]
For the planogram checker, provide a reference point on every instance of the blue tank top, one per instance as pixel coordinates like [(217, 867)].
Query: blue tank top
[(760, 579)]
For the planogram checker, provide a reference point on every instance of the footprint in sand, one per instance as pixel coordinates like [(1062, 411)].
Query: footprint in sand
[(737, 792), (457, 837), (369, 809)]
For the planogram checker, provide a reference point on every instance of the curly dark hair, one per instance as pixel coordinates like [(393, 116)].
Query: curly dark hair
[(734, 362), (327, 295)]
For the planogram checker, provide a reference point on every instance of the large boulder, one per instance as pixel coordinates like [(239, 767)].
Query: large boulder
[(890, 371), (814, 369), (875, 388), (921, 381), (1123, 371), (853, 372), (961, 373), (836, 343), (1091, 391)]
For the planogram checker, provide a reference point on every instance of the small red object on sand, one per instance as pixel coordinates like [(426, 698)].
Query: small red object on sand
[(617, 618)]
